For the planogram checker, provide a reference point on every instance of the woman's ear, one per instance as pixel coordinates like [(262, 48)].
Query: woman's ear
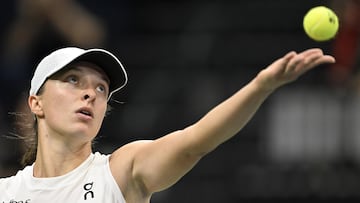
[(35, 105)]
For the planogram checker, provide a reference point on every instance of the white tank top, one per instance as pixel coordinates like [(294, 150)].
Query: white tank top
[(91, 182)]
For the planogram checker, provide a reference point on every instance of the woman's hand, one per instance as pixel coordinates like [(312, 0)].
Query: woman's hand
[(290, 67)]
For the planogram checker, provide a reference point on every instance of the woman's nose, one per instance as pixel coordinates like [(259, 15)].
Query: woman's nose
[(89, 94)]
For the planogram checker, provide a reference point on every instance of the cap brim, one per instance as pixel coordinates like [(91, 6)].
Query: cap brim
[(109, 64)]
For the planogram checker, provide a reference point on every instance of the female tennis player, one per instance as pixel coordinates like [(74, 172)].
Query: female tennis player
[(68, 98)]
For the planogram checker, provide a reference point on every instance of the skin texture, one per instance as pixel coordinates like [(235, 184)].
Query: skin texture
[(143, 167)]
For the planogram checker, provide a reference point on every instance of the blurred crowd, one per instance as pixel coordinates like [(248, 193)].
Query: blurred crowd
[(35, 27), (346, 45)]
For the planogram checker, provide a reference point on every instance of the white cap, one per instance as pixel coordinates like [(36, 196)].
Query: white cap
[(60, 58)]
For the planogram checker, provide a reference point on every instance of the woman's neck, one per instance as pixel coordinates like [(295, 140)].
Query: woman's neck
[(56, 158)]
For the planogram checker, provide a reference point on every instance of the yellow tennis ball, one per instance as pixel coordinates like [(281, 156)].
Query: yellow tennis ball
[(321, 23)]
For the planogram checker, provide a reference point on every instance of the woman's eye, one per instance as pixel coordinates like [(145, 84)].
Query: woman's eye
[(72, 79), (101, 89)]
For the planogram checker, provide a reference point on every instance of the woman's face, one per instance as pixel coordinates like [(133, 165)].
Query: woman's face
[(74, 101)]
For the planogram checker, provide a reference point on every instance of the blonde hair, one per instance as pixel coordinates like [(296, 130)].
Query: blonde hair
[(28, 134), (27, 131)]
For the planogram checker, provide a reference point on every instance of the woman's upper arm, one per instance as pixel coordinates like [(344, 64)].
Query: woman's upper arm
[(151, 166), (121, 165)]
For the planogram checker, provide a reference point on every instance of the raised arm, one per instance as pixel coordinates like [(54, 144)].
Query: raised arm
[(156, 165)]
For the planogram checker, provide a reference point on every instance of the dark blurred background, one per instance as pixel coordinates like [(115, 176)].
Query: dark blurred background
[(183, 58)]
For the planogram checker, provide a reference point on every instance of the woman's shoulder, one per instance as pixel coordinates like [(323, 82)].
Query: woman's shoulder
[(130, 148)]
